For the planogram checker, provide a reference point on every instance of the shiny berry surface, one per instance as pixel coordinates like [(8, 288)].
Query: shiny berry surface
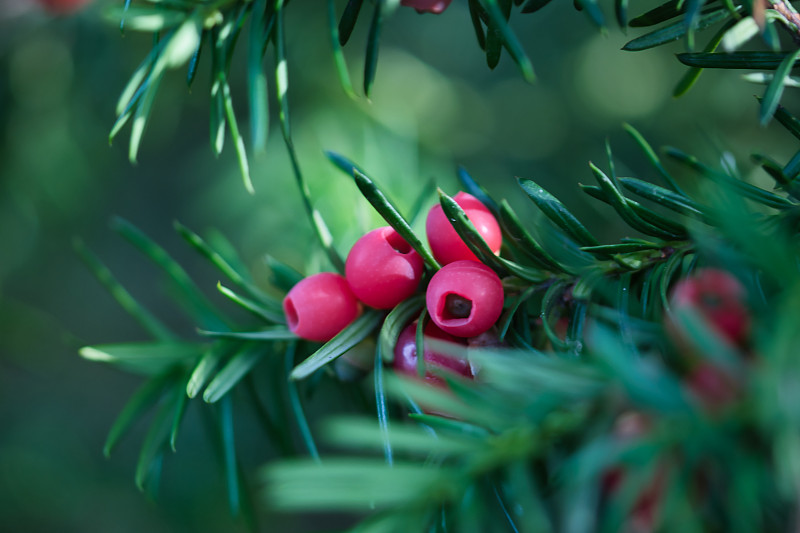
[(382, 269), (427, 6), (320, 306), (465, 298), (405, 354), (445, 243)]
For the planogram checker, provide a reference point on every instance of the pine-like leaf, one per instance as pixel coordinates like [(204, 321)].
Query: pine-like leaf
[(346, 339), (148, 358), (675, 31)]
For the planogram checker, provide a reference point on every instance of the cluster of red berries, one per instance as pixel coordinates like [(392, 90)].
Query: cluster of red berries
[(719, 300), (464, 298)]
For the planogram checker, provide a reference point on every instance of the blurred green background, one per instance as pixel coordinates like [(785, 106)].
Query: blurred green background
[(435, 105)]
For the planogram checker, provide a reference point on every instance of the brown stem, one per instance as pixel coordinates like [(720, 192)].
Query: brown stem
[(789, 14)]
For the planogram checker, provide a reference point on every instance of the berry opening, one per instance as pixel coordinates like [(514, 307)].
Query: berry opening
[(396, 241), (291, 314), (456, 306)]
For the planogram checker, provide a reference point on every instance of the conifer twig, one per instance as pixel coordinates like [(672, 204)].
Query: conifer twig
[(789, 14)]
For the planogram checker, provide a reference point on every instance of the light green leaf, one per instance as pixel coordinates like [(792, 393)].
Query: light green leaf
[(257, 79), (233, 126), (765, 78), (147, 358), (346, 339), (134, 86), (739, 34), (146, 18), (142, 114), (207, 365), (772, 95), (217, 118), (268, 314), (365, 434), (362, 484), (145, 397), (281, 71), (183, 43), (233, 372)]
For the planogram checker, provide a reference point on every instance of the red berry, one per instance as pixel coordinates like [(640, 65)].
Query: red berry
[(320, 306), (719, 298), (465, 298), (382, 269), (62, 7), (405, 354), (712, 386), (427, 6), (445, 243)]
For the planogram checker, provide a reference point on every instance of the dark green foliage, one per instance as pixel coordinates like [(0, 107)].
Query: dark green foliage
[(588, 341), (182, 30), (675, 31), (592, 350)]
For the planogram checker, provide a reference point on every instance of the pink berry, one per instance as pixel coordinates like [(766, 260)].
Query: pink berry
[(719, 298), (427, 6), (465, 298), (445, 243), (320, 306), (405, 354), (382, 269), (62, 7)]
